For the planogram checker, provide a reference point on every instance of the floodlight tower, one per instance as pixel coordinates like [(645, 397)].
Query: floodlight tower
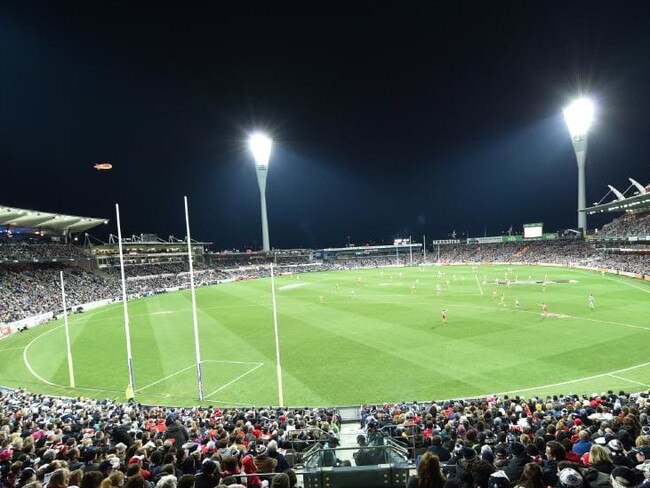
[(578, 117), (260, 145)]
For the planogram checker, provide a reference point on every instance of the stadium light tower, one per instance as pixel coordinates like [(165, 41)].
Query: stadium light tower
[(578, 117), (260, 145)]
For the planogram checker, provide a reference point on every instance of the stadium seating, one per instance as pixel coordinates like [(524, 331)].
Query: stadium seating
[(626, 226), (104, 436)]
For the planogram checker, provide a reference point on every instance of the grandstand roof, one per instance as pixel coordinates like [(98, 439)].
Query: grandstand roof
[(637, 203), (20, 217)]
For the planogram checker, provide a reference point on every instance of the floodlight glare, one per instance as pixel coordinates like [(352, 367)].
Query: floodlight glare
[(578, 117), (260, 145)]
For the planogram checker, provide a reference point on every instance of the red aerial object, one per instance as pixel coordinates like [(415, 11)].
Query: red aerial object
[(103, 166)]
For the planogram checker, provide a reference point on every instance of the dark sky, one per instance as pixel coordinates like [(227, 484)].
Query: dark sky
[(387, 121)]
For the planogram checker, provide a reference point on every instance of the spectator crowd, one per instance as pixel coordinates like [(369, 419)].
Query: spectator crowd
[(60, 443), (41, 252), (628, 225), (575, 441), (596, 441)]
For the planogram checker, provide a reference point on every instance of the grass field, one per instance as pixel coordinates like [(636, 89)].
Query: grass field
[(383, 343)]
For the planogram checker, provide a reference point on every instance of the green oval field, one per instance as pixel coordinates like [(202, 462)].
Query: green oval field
[(377, 336)]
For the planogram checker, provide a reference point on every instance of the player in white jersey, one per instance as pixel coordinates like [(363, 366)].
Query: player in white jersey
[(592, 301)]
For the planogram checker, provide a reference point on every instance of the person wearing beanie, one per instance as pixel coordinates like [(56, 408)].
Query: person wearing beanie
[(208, 477), (487, 455), (472, 470), (501, 459), (623, 477), (519, 459), (569, 478), (263, 462)]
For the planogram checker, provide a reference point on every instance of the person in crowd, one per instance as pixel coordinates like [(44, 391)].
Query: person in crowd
[(281, 461), (599, 459), (520, 458), (365, 455), (438, 449), (429, 473), (531, 477), (569, 478), (91, 479), (554, 454), (622, 477), (208, 477), (281, 480), (583, 444)]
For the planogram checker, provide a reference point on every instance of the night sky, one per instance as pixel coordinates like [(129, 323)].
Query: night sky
[(387, 121)]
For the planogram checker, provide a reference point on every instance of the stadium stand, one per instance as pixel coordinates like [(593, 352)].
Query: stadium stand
[(626, 226), (601, 437), (41, 252)]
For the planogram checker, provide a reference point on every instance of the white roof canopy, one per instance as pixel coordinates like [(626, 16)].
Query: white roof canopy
[(20, 217)]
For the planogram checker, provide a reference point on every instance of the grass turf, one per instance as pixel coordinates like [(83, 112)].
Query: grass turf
[(384, 342)]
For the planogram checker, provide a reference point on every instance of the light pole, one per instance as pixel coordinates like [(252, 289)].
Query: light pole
[(260, 145), (578, 117)]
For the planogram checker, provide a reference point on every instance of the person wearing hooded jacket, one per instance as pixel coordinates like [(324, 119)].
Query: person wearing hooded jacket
[(473, 471), (519, 459), (174, 430)]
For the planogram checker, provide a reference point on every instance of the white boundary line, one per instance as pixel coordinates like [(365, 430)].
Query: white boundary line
[(231, 362), (627, 379), (166, 378), (259, 365), (12, 348), (578, 380), (29, 366), (625, 280)]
